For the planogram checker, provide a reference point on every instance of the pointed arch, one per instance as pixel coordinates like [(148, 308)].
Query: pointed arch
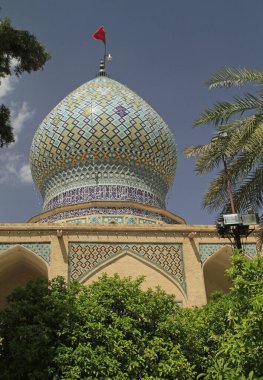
[(214, 271), (18, 265), (129, 264)]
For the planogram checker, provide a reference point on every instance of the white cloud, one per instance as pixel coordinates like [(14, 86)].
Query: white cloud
[(25, 174), (7, 85), (19, 116), (13, 168)]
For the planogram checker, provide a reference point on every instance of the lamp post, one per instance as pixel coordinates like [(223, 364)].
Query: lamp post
[(236, 228)]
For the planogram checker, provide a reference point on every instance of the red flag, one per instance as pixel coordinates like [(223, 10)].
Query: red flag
[(100, 34)]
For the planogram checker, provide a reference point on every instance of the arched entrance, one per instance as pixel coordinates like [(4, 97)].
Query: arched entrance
[(18, 265), (214, 271)]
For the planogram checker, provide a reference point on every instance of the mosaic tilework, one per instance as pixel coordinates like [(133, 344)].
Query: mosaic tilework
[(40, 249), (145, 221), (103, 193), (86, 256), (110, 219), (108, 211), (113, 219), (206, 249), (70, 184), (104, 120), (131, 220)]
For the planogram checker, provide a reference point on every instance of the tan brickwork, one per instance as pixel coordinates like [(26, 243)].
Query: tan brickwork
[(19, 265)]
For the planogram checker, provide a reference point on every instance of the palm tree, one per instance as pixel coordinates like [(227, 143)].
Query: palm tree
[(239, 144)]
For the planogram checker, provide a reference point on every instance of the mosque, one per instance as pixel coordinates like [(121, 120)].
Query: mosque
[(103, 161)]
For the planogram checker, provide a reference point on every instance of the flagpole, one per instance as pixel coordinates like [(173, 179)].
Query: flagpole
[(105, 52), (101, 35)]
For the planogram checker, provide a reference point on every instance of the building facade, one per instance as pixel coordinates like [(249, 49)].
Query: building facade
[(103, 161)]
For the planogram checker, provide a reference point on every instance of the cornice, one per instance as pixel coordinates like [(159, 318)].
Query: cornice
[(105, 204)]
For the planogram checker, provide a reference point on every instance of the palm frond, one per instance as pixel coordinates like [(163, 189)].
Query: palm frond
[(254, 142), (208, 162), (216, 195), (243, 135), (240, 166), (244, 125), (208, 156), (222, 111), (250, 191), (230, 76), (247, 193), (195, 151), (239, 128)]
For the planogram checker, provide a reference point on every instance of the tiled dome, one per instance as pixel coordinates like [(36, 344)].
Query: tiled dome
[(103, 142)]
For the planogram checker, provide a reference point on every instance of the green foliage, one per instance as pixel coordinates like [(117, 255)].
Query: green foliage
[(31, 328), (21, 49), (231, 76), (108, 330), (239, 354), (112, 329), (22, 46), (6, 131)]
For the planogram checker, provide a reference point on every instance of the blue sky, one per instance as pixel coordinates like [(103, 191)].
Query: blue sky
[(162, 49)]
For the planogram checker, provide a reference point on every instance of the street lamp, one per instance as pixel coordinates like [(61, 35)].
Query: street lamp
[(233, 225)]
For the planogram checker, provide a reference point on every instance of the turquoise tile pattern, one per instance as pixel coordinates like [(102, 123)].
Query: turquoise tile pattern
[(86, 256), (206, 249), (103, 142), (40, 249)]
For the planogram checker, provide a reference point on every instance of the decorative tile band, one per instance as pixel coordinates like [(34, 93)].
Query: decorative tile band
[(98, 174), (86, 256), (206, 249), (40, 249), (103, 193), (94, 215), (113, 219)]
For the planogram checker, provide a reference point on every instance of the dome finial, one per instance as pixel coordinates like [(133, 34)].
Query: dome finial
[(102, 72)]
